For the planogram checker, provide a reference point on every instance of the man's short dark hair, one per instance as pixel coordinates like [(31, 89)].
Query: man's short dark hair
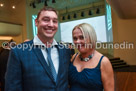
[(46, 8)]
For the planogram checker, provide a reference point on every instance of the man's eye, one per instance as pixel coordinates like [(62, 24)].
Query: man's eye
[(55, 21), (46, 20)]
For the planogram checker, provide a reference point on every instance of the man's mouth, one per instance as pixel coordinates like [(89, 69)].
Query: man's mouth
[(49, 30)]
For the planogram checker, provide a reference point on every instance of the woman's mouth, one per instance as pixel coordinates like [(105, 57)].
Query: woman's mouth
[(79, 46)]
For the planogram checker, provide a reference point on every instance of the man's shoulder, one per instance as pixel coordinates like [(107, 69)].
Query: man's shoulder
[(23, 46), (28, 42)]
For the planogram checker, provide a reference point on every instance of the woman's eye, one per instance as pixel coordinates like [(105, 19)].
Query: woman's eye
[(74, 38), (81, 37)]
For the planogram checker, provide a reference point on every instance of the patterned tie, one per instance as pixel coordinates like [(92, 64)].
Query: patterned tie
[(51, 66)]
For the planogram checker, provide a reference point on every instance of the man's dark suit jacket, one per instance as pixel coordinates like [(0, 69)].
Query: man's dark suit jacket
[(28, 71), (3, 66)]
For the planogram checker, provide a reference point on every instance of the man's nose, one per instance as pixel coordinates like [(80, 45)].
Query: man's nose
[(50, 23)]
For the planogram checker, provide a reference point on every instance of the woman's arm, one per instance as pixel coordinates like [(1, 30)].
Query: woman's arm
[(107, 75)]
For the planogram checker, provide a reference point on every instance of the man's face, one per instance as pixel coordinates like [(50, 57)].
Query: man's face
[(47, 24)]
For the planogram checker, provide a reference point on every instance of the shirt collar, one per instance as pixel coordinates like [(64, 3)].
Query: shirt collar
[(37, 41), (7, 48)]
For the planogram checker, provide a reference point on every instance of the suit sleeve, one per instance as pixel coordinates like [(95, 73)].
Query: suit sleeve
[(13, 78)]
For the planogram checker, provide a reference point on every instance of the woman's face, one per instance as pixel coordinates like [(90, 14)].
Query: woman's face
[(79, 41)]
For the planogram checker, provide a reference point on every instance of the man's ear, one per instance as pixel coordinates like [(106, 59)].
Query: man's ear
[(36, 22)]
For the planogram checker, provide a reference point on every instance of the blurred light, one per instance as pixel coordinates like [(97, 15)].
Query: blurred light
[(13, 7), (5, 38), (1, 5)]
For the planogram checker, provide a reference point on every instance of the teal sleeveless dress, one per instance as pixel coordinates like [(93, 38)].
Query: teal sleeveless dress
[(89, 79)]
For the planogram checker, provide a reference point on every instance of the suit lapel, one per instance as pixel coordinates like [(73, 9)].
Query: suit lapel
[(41, 58), (60, 61)]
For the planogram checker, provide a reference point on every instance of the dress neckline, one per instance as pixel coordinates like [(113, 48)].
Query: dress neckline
[(98, 65), (84, 68)]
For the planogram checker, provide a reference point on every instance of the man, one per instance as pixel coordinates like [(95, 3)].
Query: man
[(29, 69), (3, 65), (3, 62)]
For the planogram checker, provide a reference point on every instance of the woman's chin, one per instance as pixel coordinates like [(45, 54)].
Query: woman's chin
[(81, 50)]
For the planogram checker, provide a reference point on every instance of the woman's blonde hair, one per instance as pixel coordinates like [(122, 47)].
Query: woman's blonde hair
[(88, 32)]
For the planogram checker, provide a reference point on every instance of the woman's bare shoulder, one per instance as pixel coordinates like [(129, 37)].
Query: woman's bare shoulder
[(73, 56)]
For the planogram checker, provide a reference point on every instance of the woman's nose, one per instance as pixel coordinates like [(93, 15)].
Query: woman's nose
[(78, 41)]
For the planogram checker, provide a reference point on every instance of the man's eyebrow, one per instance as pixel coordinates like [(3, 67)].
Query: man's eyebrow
[(49, 17), (46, 17)]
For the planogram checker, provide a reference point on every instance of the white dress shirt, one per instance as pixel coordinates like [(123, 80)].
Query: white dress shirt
[(54, 52)]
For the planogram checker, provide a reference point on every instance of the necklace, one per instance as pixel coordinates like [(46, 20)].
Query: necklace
[(86, 58)]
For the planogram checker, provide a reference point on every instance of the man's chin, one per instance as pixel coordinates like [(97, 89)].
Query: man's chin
[(50, 36)]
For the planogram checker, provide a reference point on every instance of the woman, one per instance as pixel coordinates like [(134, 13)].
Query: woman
[(89, 70)]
